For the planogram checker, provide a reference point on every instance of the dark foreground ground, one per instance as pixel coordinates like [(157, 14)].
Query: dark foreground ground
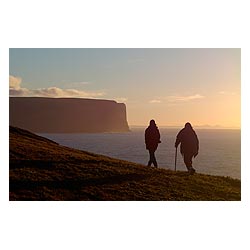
[(41, 169)]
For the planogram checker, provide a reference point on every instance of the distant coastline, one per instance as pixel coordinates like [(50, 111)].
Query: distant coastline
[(197, 127)]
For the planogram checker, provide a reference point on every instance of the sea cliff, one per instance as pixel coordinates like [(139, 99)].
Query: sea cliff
[(68, 115)]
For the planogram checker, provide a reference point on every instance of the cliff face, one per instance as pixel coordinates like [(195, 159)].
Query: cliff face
[(67, 115)]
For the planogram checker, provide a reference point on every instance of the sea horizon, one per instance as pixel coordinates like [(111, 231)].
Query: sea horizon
[(220, 149)]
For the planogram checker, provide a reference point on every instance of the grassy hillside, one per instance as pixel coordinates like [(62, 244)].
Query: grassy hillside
[(40, 169)]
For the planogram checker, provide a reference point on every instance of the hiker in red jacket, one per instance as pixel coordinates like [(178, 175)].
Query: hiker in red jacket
[(189, 145), (152, 138)]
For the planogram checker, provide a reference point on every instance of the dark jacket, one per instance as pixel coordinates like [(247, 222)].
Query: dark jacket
[(189, 141), (152, 138)]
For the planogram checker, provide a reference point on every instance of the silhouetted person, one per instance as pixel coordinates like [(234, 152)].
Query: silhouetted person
[(152, 138), (189, 145)]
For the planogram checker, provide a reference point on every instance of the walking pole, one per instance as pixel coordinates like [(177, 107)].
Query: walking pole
[(175, 159)]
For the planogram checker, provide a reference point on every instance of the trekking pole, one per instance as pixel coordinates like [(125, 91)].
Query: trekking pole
[(175, 159)]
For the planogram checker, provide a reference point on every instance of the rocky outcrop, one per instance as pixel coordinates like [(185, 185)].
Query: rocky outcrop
[(67, 115)]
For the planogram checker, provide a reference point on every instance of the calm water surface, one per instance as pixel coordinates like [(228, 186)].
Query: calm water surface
[(220, 149)]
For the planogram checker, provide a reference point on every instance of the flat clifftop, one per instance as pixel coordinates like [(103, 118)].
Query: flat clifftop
[(68, 115), (40, 169)]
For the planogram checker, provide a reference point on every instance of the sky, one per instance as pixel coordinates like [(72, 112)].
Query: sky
[(172, 86)]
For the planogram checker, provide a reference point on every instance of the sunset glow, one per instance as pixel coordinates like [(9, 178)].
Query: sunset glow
[(172, 86)]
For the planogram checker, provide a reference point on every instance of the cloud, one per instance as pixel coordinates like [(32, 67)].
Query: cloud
[(121, 99), (179, 98), (57, 92), (155, 101), (17, 90), (175, 99), (15, 82), (227, 93), (76, 84)]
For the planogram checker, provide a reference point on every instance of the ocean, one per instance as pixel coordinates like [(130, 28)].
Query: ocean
[(220, 149)]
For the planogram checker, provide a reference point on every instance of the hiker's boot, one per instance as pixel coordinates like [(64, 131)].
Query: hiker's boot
[(191, 170)]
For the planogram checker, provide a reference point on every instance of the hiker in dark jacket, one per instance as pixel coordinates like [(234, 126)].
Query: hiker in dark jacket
[(189, 145), (152, 138)]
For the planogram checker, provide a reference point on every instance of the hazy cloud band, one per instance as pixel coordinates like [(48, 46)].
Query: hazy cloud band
[(16, 90)]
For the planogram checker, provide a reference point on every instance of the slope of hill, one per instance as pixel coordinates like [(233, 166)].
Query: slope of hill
[(40, 169)]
